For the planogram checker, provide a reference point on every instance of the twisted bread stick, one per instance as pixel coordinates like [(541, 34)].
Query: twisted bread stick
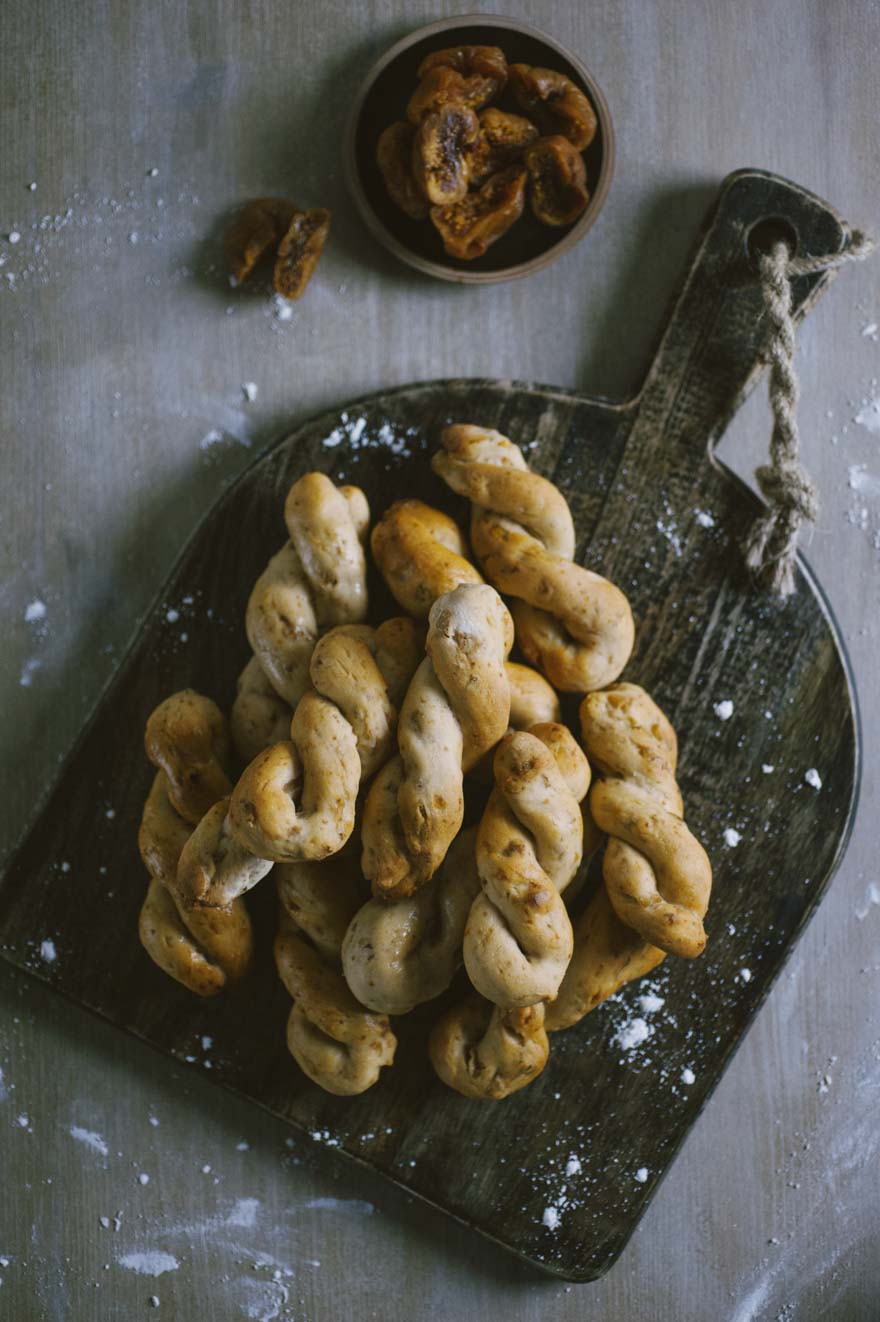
[(342, 730), (399, 953), (607, 954), (420, 554), (657, 875), (317, 580), (518, 939), (456, 707), (259, 718), (487, 1053), (201, 951), (575, 626), (336, 1042)]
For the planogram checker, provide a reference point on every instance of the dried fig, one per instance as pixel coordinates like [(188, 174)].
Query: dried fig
[(394, 155), (256, 231), (558, 180), (440, 153), (487, 61), (470, 226), (299, 251), (555, 102), (442, 86), (502, 141)]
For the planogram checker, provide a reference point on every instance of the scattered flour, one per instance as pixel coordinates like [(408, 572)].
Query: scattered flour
[(704, 519), (48, 951), (211, 438), (723, 710), (244, 1212), (282, 308), (731, 837), (767, 768), (143, 1178), (745, 975), (813, 778), (642, 1175), (550, 1218), (35, 611), (249, 390), (868, 416), (28, 670), (870, 331), (872, 897), (90, 1138), (632, 1034), (688, 1077), (152, 1262), (650, 1003), (859, 479), (573, 1166), (354, 1205)]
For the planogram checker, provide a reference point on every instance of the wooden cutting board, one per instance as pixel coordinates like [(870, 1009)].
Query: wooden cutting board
[(656, 512)]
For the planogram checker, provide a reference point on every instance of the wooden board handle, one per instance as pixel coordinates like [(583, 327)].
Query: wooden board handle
[(710, 356)]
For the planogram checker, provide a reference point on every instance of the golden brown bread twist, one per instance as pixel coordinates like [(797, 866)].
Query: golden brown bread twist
[(487, 1053), (336, 1042), (297, 799), (574, 625), (399, 953), (316, 581), (518, 938), (203, 951), (456, 707), (657, 874), (421, 555), (607, 954)]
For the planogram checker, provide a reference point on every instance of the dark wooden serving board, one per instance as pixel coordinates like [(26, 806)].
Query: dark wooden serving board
[(641, 480)]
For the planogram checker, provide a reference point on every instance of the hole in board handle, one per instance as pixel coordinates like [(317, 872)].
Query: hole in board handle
[(764, 233)]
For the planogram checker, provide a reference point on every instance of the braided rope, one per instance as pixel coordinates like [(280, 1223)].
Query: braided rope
[(791, 496)]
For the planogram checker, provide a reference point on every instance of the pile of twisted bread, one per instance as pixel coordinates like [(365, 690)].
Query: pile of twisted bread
[(450, 765)]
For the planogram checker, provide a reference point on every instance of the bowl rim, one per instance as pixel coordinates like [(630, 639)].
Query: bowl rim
[(457, 275)]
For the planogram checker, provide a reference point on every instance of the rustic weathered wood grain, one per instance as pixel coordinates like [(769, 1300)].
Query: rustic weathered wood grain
[(233, 100)]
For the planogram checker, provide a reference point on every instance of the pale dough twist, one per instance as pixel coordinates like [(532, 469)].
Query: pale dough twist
[(202, 950), (399, 953), (337, 1043), (657, 874), (317, 580), (574, 625), (518, 938), (421, 555), (456, 707)]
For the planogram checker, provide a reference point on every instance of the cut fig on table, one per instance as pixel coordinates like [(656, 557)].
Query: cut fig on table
[(469, 227), (555, 103), (300, 250), (255, 233), (558, 181), (440, 153)]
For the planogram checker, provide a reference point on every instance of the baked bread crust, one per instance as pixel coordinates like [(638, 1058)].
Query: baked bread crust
[(456, 707), (202, 950), (657, 874), (399, 953), (421, 554), (518, 938), (574, 625), (316, 581), (337, 1043)]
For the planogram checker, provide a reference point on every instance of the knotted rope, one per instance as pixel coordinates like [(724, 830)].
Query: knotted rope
[(791, 496)]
